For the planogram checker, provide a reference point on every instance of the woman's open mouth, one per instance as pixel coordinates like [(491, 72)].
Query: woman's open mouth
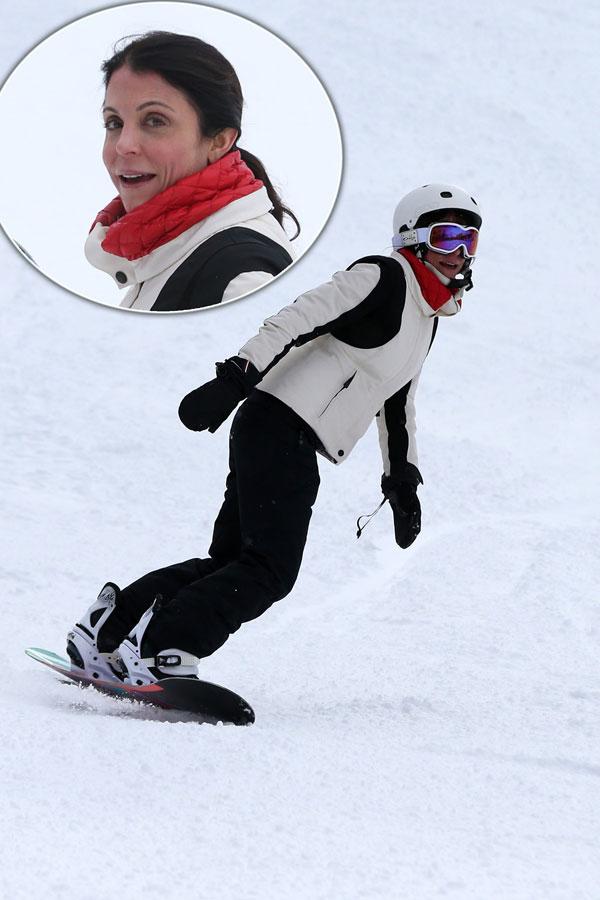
[(134, 179), (451, 268)]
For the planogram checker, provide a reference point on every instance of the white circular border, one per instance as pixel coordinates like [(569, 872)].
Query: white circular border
[(46, 213)]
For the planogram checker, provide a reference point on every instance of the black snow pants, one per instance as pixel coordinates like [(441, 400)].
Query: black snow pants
[(258, 538)]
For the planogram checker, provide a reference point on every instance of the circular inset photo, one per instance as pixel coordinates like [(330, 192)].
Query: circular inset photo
[(166, 157)]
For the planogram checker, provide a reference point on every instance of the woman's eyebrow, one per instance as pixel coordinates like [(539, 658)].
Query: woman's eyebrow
[(141, 106)]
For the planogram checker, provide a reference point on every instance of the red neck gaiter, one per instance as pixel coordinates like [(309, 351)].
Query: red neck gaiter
[(434, 292), (183, 204)]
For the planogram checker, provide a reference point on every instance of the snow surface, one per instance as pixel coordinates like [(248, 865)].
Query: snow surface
[(428, 721)]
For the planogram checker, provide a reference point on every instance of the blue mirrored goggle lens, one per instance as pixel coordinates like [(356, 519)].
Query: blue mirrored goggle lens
[(446, 238)]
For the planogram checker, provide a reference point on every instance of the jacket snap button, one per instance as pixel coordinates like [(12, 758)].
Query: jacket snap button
[(340, 452), (121, 277)]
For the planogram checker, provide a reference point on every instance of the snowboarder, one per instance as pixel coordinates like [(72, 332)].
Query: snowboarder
[(313, 378)]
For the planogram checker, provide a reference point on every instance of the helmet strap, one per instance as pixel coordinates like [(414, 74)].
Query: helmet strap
[(466, 282)]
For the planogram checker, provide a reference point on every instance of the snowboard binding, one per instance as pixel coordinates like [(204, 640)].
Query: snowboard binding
[(90, 652), (168, 663)]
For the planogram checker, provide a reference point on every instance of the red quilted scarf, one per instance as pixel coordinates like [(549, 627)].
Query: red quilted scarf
[(434, 292), (183, 204)]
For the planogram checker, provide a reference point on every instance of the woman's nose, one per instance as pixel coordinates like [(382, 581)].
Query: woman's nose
[(128, 141)]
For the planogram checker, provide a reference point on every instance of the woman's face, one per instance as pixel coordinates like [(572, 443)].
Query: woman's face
[(153, 136), (449, 264)]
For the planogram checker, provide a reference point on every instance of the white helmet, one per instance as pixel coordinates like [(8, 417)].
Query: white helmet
[(432, 198), (425, 206)]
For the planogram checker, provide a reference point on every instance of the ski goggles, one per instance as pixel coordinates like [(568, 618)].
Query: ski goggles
[(443, 237)]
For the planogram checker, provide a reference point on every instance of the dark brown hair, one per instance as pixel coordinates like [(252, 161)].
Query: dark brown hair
[(209, 82)]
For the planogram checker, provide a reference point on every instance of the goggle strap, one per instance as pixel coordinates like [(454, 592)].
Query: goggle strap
[(410, 238)]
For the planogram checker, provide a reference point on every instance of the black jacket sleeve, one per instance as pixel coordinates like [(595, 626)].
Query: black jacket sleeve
[(396, 423)]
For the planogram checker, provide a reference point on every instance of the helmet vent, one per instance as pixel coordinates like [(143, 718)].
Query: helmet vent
[(445, 194)]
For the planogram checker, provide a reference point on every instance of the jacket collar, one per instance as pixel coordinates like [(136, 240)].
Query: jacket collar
[(432, 295), (126, 273)]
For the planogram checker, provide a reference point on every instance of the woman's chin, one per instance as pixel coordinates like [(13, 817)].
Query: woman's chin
[(130, 203)]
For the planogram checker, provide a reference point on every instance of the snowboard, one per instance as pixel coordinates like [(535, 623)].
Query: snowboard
[(208, 702)]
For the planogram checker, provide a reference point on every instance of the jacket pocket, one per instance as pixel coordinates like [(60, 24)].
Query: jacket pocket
[(345, 385)]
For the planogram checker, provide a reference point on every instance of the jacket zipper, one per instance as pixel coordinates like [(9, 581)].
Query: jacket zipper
[(345, 385)]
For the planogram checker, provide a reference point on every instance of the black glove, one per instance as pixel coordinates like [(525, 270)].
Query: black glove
[(209, 405), (405, 508)]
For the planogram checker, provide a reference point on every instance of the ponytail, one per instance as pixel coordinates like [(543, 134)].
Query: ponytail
[(259, 171)]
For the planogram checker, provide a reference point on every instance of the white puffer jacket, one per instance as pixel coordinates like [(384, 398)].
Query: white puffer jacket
[(338, 384)]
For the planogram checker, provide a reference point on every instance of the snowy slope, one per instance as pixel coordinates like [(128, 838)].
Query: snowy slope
[(428, 721)]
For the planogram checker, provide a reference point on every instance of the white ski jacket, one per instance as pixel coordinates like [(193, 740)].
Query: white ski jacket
[(350, 350), (228, 254)]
